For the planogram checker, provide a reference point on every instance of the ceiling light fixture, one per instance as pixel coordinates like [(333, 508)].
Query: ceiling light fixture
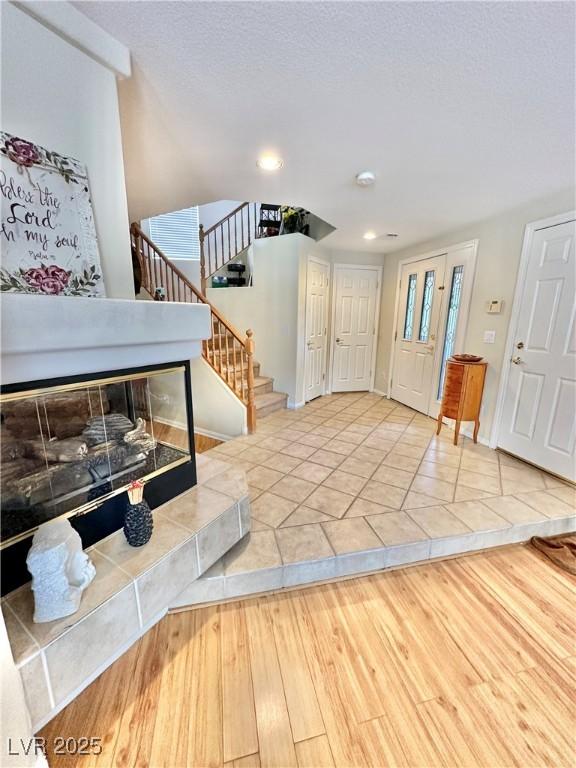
[(365, 178), (269, 163), (369, 235)]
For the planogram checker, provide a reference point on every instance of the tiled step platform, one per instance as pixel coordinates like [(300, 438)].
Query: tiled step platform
[(132, 590), (354, 483)]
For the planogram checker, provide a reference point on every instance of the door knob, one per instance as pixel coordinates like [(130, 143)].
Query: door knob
[(520, 345), (309, 344), (338, 341), (517, 360)]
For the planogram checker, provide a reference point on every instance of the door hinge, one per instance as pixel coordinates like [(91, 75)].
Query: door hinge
[(395, 335), (323, 376)]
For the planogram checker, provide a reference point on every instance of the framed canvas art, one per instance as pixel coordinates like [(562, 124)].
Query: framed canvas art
[(47, 236)]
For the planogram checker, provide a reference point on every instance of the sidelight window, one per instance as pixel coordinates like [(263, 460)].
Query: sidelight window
[(451, 322), (410, 303)]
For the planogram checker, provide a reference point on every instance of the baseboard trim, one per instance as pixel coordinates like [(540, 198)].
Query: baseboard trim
[(171, 423), (379, 392), (216, 435), (198, 430)]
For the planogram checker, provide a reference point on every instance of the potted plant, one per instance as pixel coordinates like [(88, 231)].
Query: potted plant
[(294, 220)]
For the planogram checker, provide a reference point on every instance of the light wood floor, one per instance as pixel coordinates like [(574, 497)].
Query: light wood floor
[(179, 438), (470, 662)]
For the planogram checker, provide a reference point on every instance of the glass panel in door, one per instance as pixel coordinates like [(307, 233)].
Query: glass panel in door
[(410, 304), (451, 322)]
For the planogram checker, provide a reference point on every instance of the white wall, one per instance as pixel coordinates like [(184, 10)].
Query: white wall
[(190, 268), (500, 243), (211, 213), (15, 719), (217, 411), (57, 96), (274, 308), (356, 258), (319, 228)]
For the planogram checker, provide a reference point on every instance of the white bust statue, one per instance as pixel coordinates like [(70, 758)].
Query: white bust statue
[(60, 570)]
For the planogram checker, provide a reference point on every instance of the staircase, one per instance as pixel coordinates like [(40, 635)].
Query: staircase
[(230, 236), (266, 399), (229, 353)]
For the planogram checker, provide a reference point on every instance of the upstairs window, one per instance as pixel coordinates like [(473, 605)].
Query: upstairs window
[(176, 233)]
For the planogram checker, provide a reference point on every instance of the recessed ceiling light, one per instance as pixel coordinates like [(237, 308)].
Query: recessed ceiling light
[(369, 235), (269, 163), (365, 178)]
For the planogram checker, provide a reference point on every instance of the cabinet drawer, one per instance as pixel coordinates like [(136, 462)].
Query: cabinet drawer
[(452, 390)]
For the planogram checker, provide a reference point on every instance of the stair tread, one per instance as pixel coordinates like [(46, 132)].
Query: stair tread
[(269, 398), (258, 380)]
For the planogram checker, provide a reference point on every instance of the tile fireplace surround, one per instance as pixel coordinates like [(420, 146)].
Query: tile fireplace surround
[(132, 590), (51, 337)]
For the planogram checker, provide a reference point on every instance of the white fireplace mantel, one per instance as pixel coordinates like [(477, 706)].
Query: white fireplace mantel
[(45, 337)]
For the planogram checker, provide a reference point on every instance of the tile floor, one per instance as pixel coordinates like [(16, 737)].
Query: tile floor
[(352, 482)]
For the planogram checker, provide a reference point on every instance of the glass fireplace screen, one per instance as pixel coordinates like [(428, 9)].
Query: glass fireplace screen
[(66, 449)]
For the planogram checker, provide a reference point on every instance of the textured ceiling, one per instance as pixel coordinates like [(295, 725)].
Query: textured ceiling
[(463, 110)]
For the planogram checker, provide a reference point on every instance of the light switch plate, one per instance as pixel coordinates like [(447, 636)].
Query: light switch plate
[(489, 337)]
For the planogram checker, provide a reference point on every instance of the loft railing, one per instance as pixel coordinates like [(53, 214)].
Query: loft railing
[(229, 353), (226, 239)]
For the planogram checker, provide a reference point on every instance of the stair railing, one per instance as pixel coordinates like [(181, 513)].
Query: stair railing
[(229, 353), (226, 239)]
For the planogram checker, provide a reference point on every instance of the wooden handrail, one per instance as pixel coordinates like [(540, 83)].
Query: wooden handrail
[(232, 359), (228, 216), (226, 239)]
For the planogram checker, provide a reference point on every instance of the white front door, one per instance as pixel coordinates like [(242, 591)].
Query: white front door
[(316, 327), (539, 412), (354, 328), (421, 290)]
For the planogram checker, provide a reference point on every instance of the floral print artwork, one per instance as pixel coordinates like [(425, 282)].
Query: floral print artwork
[(47, 236)]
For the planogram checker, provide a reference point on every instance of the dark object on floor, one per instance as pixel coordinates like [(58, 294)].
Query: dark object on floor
[(138, 524), (562, 552)]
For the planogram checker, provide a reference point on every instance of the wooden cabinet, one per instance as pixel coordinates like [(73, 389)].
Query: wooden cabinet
[(462, 396)]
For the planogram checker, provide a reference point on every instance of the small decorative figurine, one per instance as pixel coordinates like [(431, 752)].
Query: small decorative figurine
[(60, 570), (138, 522)]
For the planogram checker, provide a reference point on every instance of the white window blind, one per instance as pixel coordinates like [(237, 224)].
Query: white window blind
[(176, 233)]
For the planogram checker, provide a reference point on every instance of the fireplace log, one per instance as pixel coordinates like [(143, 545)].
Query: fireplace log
[(60, 414), (10, 447), (58, 451)]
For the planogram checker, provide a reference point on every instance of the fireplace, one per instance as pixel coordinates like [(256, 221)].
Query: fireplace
[(70, 447)]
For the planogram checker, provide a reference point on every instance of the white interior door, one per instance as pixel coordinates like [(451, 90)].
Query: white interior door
[(316, 327), (354, 327), (539, 411), (419, 309)]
